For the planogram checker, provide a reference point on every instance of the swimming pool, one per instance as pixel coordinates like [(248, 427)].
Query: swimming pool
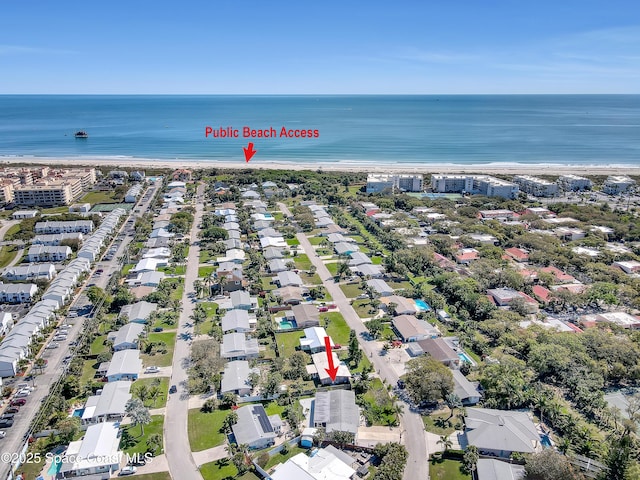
[(55, 466), (422, 305), (287, 325), (465, 358), (78, 412), (545, 441)]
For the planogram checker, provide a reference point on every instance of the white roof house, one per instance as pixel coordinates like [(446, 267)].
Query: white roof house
[(127, 337), (138, 312), (98, 451), (148, 265), (108, 404), (236, 377), (286, 279), (321, 364), (381, 287), (124, 365), (314, 339), (324, 465), (336, 410), (278, 242), (253, 427), (359, 258), (237, 320), (236, 346)]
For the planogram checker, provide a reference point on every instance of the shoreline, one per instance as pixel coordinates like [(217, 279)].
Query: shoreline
[(337, 166)]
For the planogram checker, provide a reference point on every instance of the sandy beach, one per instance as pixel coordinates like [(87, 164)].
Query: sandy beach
[(493, 169)]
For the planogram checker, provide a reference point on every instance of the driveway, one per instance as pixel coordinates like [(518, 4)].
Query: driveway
[(176, 438), (417, 465)]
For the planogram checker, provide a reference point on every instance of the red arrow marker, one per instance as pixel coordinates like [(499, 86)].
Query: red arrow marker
[(249, 152), (332, 371)]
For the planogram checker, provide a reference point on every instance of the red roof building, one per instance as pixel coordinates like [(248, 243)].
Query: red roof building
[(518, 254), (541, 293), (560, 276)]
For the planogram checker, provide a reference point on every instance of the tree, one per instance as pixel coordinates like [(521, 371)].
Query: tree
[(470, 458), (229, 421), (154, 393), (355, 354), (271, 384), (228, 400), (375, 327), (549, 465), (67, 428), (154, 443), (453, 402), (445, 442), (139, 414), (427, 380)]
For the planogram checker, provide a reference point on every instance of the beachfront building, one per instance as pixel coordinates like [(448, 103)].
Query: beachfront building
[(380, 182), (535, 186), (476, 184), (133, 193), (617, 184), (573, 183)]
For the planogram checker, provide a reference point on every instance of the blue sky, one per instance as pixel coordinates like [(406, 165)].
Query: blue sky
[(283, 47)]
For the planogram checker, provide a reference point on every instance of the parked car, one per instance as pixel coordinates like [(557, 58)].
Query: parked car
[(51, 346), (15, 409), (18, 402), (158, 329), (7, 416), (152, 369), (22, 393), (323, 309), (127, 471), (173, 389), (6, 423)]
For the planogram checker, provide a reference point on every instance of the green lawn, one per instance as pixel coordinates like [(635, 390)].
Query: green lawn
[(177, 293), (204, 429), (362, 308), (54, 210), (376, 260), (140, 442), (177, 270), (205, 256), (218, 470), (101, 197), (210, 307), (310, 279), (316, 240), (160, 323), (88, 371), (398, 284), (302, 261), (332, 267), (272, 408), (447, 470), (432, 423), (12, 231), (98, 346), (266, 283), (351, 290), (204, 272), (154, 476), (163, 385), (292, 241), (126, 268), (378, 400), (7, 254), (338, 328), (279, 458), (288, 342), (160, 359)]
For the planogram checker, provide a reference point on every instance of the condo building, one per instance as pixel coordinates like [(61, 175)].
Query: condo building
[(536, 186), (475, 184), (380, 182), (573, 183), (617, 184)]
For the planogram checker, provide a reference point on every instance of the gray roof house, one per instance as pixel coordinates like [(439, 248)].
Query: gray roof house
[(440, 350), (138, 312), (108, 403), (236, 346), (124, 365), (501, 432), (277, 265), (359, 258), (286, 279), (336, 410), (344, 248), (237, 320), (380, 287), (253, 427), (241, 299), (127, 336), (466, 391), (236, 377), (272, 252), (305, 315), (411, 329), (493, 469), (368, 270), (289, 295)]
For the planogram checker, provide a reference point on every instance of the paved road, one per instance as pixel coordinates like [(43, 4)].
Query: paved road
[(414, 435), (176, 439)]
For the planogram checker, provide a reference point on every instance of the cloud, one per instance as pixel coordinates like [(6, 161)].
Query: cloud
[(26, 50)]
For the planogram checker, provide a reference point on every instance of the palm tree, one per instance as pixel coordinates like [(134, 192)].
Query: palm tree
[(154, 393), (138, 412), (198, 286), (142, 392), (453, 402), (445, 442)]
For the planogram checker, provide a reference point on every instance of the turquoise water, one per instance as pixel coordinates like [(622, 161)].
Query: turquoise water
[(422, 305), (55, 466), (465, 358), (545, 441), (463, 129), (287, 325), (78, 412)]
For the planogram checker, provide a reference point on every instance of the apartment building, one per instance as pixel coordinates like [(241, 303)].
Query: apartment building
[(617, 184), (380, 182), (535, 186), (574, 183), (475, 184)]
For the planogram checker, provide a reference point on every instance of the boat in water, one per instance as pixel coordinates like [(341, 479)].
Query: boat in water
[(81, 134)]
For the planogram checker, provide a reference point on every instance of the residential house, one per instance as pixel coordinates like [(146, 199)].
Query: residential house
[(504, 296), (124, 365), (286, 279), (146, 279), (127, 337), (321, 365), (403, 305), (370, 271), (82, 226), (17, 292), (276, 242), (359, 258), (238, 321), (314, 340), (518, 254), (22, 214), (108, 404), (96, 455), (45, 271), (148, 265), (380, 287), (6, 321), (336, 411), (305, 315), (501, 432), (629, 267), (410, 329), (440, 350), (138, 312), (494, 469), (236, 346), (345, 249), (324, 464), (240, 299), (235, 378), (278, 265), (559, 275), (466, 391), (289, 295), (271, 253), (253, 427)]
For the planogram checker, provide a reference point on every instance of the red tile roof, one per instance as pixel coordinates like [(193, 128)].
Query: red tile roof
[(541, 292), (559, 274), (517, 253)]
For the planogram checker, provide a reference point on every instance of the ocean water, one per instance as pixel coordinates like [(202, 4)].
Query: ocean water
[(459, 129)]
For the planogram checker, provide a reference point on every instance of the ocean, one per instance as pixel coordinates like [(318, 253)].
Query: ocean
[(389, 130)]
